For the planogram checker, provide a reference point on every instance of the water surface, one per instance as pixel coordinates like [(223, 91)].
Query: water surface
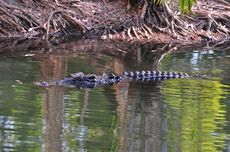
[(175, 115)]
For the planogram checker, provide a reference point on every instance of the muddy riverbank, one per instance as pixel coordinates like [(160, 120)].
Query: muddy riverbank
[(30, 24)]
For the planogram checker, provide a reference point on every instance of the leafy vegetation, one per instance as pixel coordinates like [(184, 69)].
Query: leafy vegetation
[(184, 5), (195, 107)]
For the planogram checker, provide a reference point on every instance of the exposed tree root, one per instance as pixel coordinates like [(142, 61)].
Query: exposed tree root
[(60, 20), (212, 20)]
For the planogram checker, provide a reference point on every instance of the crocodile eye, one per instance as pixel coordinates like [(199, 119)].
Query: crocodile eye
[(90, 78)]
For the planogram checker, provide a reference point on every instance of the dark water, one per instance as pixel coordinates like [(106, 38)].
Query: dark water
[(175, 115)]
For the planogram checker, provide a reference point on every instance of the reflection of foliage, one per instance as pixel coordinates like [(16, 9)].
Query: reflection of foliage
[(25, 129), (20, 107), (99, 128), (80, 64), (195, 115), (30, 128), (102, 122)]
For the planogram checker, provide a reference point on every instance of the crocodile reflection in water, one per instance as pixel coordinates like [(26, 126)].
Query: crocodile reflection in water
[(82, 80)]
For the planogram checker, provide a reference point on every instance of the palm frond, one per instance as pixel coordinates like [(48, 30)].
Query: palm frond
[(186, 6)]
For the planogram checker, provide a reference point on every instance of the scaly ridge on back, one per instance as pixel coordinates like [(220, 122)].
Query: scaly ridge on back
[(154, 75)]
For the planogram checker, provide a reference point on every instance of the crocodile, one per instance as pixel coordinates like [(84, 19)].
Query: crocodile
[(81, 80)]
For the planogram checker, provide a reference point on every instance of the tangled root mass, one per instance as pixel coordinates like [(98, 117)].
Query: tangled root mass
[(61, 19)]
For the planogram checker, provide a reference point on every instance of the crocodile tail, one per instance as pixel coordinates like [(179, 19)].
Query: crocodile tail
[(154, 75), (171, 75)]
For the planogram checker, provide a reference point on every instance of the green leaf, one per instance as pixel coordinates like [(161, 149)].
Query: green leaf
[(186, 5)]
